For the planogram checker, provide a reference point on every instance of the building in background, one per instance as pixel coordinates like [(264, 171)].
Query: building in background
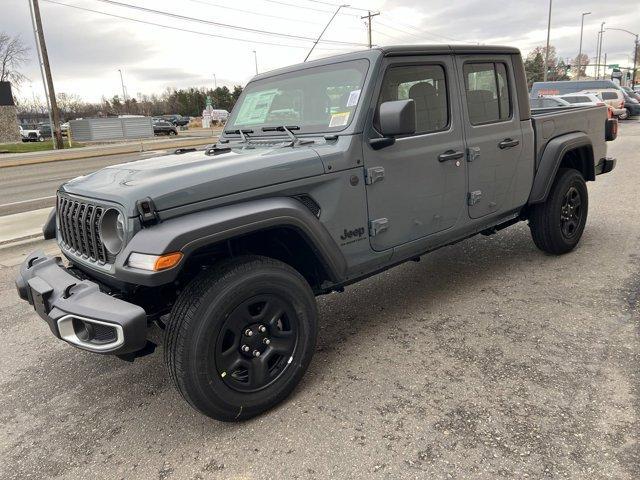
[(9, 132)]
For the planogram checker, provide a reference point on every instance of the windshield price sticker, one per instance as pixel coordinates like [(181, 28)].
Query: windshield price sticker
[(339, 119), (354, 96), (255, 108)]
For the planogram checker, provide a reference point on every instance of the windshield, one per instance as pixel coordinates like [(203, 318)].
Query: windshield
[(317, 99)]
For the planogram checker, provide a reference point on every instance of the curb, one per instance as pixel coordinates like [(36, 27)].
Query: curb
[(89, 152)]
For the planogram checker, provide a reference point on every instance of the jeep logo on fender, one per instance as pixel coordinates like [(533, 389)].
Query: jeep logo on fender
[(357, 233)]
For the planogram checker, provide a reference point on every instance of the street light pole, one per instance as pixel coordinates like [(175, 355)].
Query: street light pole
[(599, 49), (324, 30), (580, 49), (255, 58), (215, 82), (546, 53), (124, 94)]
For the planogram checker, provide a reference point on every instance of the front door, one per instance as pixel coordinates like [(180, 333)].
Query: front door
[(417, 186), (493, 133)]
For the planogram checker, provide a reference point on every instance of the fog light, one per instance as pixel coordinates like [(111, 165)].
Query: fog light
[(154, 263)]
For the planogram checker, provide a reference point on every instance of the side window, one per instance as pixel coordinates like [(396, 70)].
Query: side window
[(487, 91), (426, 85)]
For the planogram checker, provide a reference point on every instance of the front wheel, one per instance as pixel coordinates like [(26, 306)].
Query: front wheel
[(557, 224), (240, 337)]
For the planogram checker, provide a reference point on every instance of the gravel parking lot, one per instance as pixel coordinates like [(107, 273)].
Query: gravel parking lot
[(487, 359)]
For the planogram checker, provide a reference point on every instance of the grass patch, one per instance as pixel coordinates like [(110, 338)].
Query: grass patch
[(23, 147)]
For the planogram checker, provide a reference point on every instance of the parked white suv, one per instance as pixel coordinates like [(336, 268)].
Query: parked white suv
[(614, 98)]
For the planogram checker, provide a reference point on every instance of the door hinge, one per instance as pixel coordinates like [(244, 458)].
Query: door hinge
[(474, 197), (473, 153), (378, 226), (373, 174)]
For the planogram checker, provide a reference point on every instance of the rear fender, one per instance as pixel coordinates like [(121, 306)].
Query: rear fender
[(551, 159)]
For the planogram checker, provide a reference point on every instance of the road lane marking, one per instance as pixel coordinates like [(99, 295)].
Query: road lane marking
[(12, 204)]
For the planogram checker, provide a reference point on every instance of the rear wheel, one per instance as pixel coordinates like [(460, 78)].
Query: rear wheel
[(557, 224), (240, 337)]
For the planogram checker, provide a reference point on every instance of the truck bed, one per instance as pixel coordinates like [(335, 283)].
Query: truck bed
[(550, 123)]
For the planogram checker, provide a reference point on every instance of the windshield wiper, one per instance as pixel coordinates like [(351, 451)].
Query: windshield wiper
[(240, 132), (284, 128)]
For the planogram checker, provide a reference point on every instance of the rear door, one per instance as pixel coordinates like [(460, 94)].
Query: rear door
[(493, 132), (416, 187)]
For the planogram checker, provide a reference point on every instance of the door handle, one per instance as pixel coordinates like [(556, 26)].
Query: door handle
[(508, 143), (450, 155)]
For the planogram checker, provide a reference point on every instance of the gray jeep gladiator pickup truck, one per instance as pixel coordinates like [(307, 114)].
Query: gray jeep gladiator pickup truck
[(327, 172)]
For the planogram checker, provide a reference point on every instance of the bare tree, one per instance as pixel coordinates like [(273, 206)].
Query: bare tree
[(13, 55)]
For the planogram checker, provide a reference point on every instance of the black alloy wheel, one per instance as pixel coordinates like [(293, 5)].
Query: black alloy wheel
[(256, 343), (240, 336), (571, 213)]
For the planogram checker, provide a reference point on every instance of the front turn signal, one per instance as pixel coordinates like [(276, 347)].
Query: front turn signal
[(154, 263)]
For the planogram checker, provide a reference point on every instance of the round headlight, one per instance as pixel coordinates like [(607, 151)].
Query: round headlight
[(112, 230)]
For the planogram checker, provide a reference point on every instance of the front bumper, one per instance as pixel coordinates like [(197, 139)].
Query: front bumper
[(77, 311)]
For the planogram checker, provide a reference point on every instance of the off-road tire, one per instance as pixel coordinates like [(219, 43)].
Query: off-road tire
[(546, 222), (197, 322)]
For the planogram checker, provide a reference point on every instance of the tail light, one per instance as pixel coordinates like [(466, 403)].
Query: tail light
[(622, 104), (611, 129), (601, 104)]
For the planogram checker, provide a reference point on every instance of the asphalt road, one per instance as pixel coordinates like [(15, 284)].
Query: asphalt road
[(488, 359), (30, 187)]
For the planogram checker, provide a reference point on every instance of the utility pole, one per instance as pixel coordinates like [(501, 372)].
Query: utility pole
[(580, 49), (546, 53), (44, 82), (324, 30), (55, 114), (599, 48), (369, 16), (255, 57), (124, 93), (215, 82)]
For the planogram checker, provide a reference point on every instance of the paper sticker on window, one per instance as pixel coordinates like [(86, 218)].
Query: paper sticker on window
[(255, 107), (353, 98), (339, 119)]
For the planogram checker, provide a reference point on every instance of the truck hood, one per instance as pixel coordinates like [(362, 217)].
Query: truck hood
[(179, 179)]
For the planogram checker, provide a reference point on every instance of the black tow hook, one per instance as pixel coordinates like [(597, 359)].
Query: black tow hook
[(148, 349)]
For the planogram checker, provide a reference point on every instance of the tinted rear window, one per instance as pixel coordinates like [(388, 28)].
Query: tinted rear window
[(578, 99)]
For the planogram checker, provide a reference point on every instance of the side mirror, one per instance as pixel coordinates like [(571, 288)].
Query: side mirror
[(397, 118)]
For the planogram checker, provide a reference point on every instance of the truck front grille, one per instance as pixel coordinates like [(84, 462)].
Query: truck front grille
[(79, 226)]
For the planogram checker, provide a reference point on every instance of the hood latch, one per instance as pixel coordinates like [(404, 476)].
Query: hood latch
[(147, 212)]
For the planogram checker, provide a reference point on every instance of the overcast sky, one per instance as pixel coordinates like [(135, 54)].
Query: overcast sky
[(86, 48)]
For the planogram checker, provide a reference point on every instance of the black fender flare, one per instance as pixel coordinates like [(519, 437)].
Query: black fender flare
[(550, 161), (189, 232)]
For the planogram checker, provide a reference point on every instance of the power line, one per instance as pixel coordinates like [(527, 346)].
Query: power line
[(180, 29), (211, 4), (420, 33), (222, 25), (334, 5)]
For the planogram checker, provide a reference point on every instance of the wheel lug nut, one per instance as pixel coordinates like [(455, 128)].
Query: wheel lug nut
[(266, 341), (262, 328), (245, 348), (248, 332), (256, 353)]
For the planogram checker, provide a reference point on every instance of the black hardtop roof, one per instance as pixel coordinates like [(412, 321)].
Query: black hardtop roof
[(395, 51)]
